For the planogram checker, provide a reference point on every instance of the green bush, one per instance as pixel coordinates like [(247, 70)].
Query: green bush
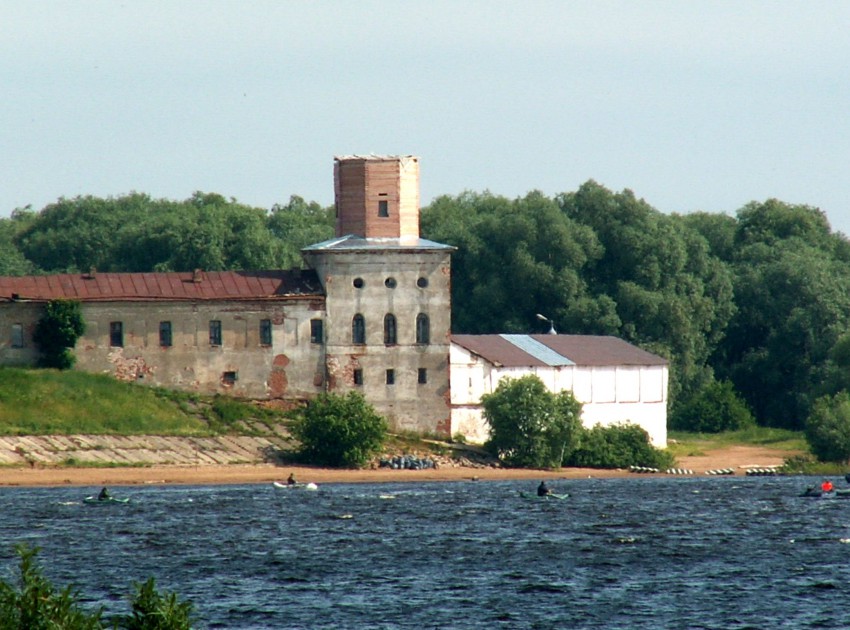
[(154, 611), (713, 409), (34, 604), (618, 446), (339, 431), (828, 428), (530, 427)]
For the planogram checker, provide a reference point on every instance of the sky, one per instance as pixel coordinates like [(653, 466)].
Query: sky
[(691, 105)]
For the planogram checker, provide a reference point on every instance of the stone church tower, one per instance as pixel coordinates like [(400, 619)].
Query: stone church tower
[(388, 295)]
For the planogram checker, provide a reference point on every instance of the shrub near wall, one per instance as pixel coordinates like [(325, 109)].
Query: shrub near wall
[(617, 447)]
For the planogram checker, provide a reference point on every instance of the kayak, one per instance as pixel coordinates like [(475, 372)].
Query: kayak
[(534, 495), (108, 501), (295, 486)]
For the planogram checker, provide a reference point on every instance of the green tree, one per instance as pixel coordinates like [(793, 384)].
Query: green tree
[(298, 224), (828, 428), (34, 604), (57, 331), (530, 427), (716, 407), (342, 431)]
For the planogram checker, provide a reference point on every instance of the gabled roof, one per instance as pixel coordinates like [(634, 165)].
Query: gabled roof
[(176, 286), (556, 350), (352, 242)]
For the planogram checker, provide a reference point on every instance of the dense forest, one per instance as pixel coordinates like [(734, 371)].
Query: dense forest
[(754, 306)]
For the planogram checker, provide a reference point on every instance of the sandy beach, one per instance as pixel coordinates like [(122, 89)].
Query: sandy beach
[(737, 458)]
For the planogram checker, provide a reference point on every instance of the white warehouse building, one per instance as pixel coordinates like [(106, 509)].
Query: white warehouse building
[(616, 382)]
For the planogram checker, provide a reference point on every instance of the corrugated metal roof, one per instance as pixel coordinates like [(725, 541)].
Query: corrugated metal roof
[(204, 285), (352, 242), (537, 350), (583, 350)]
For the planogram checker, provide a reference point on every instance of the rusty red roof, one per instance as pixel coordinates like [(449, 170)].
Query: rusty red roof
[(203, 285), (549, 350)]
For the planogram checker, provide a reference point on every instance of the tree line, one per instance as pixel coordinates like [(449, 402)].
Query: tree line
[(751, 310)]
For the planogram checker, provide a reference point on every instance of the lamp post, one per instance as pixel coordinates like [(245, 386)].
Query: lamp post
[(551, 323)]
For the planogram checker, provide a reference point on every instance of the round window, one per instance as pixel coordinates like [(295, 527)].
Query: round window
[(422, 282), (390, 282), (358, 283)]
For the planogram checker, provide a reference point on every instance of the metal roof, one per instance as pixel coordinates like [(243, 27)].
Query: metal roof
[(582, 350), (352, 242), (199, 285)]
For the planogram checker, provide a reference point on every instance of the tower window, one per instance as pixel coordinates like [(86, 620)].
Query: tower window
[(390, 377), (165, 334), (383, 208), (390, 283), (358, 376), (390, 336), (358, 329), (265, 332), (116, 334), (422, 282), (423, 376), (215, 332), (358, 283), (423, 329)]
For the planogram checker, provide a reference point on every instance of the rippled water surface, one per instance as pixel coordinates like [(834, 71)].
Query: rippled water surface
[(618, 553)]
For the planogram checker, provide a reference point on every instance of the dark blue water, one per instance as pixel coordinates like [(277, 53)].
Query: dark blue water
[(618, 553)]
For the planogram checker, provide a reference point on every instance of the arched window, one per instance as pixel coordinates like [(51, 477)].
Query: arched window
[(390, 337), (358, 329), (423, 329)]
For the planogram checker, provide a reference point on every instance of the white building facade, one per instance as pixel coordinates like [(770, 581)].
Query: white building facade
[(616, 382)]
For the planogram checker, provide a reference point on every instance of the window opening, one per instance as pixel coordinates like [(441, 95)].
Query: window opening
[(390, 283), (165, 334), (265, 332), (317, 333), (423, 376), (17, 335), (215, 332), (383, 208), (358, 329), (358, 376), (116, 334), (391, 377), (389, 329), (423, 329), (422, 282), (358, 283), (229, 378)]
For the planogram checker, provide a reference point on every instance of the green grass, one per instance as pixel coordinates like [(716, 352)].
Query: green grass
[(43, 402)]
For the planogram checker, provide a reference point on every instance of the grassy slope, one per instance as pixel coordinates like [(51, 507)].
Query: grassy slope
[(41, 402)]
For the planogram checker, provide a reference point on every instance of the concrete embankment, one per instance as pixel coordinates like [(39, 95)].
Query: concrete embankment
[(140, 450)]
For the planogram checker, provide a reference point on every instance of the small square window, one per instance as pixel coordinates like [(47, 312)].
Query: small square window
[(317, 332), (165, 334), (229, 378), (17, 335), (383, 208), (390, 377), (358, 376), (215, 332), (265, 332), (116, 334), (423, 376)]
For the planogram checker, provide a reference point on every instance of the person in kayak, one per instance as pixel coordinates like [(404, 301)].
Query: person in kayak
[(543, 489), (104, 495), (826, 486), (291, 481)]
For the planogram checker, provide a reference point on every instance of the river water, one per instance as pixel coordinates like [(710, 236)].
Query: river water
[(727, 552)]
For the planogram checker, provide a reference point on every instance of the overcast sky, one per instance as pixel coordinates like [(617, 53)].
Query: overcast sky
[(692, 105)]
